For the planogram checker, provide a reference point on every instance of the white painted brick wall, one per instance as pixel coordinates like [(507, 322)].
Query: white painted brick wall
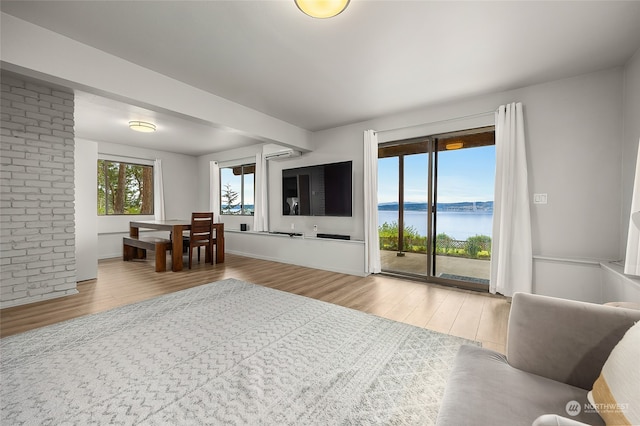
[(37, 227)]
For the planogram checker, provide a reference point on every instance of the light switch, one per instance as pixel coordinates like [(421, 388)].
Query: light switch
[(539, 198)]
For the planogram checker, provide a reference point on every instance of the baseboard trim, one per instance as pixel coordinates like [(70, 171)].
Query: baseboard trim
[(40, 298), (592, 262)]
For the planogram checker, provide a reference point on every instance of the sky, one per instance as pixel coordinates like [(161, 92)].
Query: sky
[(463, 175), (227, 177)]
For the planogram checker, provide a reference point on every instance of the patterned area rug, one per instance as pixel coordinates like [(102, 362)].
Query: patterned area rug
[(228, 352)]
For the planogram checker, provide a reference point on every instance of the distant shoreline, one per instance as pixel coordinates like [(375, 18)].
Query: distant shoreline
[(465, 206)]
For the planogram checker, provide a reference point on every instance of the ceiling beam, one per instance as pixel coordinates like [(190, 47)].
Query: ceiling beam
[(46, 55)]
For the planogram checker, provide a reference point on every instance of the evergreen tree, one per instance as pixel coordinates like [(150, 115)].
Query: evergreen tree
[(229, 197)]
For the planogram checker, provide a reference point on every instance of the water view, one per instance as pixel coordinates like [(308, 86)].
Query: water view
[(457, 225), (461, 185), (462, 245)]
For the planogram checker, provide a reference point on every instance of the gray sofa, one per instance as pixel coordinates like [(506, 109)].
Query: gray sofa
[(555, 351)]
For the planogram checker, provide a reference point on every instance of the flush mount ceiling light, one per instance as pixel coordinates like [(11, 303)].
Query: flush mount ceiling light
[(454, 145), (142, 126), (322, 8)]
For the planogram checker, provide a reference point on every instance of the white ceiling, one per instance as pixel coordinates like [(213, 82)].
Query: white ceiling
[(376, 58), (106, 120)]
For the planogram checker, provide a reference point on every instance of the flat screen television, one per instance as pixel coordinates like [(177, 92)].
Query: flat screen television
[(321, 190)]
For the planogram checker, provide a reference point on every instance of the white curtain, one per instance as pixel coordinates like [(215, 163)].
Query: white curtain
[(511, 251), (371, 237), (158, 191), (260, 219), (214, 189), (632, 259)]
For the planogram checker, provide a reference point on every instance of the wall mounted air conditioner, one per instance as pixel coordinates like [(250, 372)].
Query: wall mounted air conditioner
[(282, 154)]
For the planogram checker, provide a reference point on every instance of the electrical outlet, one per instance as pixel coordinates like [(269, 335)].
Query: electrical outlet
[(315, 228), (539, 198), (293, 226)]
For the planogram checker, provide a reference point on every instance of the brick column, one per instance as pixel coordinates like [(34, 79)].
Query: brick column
[(37, 224)]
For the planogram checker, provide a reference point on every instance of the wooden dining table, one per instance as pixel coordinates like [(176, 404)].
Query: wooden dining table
[(176, 227)]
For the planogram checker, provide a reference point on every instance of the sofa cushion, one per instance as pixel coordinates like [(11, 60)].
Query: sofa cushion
[(483, 389), (616, 392), (564, 340)]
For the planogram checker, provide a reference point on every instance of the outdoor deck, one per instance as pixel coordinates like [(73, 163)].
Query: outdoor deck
[(416, 263)]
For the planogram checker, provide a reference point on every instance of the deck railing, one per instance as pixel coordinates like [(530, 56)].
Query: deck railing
[(478, 247)]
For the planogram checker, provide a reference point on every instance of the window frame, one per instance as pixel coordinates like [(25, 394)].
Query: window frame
[(243, 211), (126, 162)]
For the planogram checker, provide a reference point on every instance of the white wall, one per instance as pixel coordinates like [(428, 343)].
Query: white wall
[(37, 243), (180, 178), (631, 135), (86, 215), (338, 149), (617, 287), (322, 154), (574, 139), (573, 131)]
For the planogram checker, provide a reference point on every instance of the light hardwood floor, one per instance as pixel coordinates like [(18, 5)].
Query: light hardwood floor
[(461, 313)]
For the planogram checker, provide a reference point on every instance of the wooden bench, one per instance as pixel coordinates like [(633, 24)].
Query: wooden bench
[(136, 248)]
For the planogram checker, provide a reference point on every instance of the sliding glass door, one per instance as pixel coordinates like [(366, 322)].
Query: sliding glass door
[(402, 212), (436, 207), (464, 175)]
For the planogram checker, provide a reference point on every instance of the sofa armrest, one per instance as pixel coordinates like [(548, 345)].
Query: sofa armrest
[(564, 340), (556, 420)]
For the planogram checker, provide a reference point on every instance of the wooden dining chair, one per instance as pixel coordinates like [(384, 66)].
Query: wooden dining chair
[(201, 235)]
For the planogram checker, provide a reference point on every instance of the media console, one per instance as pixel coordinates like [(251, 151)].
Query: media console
[(331, 254)]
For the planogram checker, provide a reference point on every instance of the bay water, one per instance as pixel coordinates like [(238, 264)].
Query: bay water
[(457, 225)]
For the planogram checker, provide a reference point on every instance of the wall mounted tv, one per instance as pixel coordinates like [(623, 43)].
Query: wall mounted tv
[(321, 190)]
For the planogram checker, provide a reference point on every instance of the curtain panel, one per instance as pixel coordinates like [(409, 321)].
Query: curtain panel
[(511, 248), (158, 191), (214, 190), (260, 219), (632, 257), (371, 237)]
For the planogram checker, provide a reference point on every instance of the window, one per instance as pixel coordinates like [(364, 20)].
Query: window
[(124, 188), (237, 189)]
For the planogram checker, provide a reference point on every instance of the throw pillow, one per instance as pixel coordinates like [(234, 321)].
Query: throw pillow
[(616, 392)]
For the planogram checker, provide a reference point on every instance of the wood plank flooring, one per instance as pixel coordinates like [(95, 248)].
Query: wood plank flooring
[(463, 313)]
